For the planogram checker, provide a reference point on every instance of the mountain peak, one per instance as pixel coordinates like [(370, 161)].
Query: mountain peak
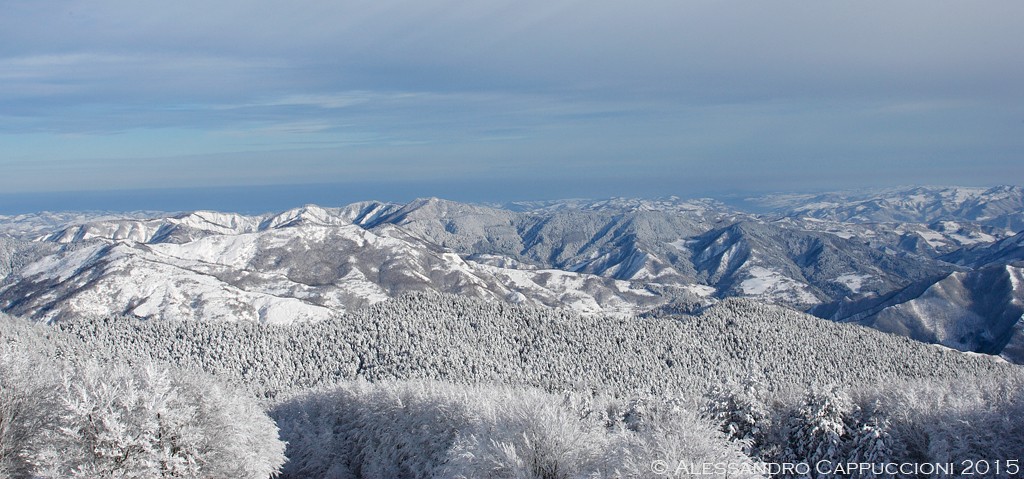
[(309, 214)]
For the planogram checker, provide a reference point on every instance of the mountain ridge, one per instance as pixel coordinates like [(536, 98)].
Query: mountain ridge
[(626, 256)]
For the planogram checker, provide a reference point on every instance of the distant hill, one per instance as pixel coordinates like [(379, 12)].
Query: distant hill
[(1000, 206), (844, 256)]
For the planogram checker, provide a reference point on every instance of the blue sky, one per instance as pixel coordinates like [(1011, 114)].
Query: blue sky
[(536, 99)]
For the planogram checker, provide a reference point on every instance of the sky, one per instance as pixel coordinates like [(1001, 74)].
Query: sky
[(331, 101)]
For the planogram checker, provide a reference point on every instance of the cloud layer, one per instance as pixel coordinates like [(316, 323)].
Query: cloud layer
[(719, 95)]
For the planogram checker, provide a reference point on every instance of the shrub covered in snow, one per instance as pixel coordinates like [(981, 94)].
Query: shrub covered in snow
[(27, 404), (905, 422), (99, 420), (431, 429)]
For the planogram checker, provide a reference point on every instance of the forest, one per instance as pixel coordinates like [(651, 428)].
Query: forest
[(435, 385)]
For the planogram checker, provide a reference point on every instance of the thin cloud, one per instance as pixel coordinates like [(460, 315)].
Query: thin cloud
[(660, 91)]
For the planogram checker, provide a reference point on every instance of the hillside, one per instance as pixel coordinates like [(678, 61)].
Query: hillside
[(616, 256), (464, 340), (440, 385)]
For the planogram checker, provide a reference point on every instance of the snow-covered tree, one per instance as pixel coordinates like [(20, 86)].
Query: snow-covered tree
[(435, 429), (741, 410), (147, 422), (27, 405), (820, 429)]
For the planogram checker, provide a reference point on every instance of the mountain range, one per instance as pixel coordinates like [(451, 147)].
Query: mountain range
[(939, 264)]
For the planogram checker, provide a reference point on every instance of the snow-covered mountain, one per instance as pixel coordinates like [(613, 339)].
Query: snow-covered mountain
[(304, 264), (671, 204), (1000, 206), (33, 225), (798, 267), (978, 310), (618, 255), (671, 244), (626, 244), (186, 227), (921, 239), (1006, 251)]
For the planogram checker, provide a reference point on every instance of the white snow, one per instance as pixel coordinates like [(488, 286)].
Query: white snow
[(775, 286), (63, 266), (144, 288), (853, 281), (235, 250), (581, 292), (1016, 280), (820, 205), (761, 281), (977, 237), (680, 244), (356, 283), (934, 239), (701, 290)]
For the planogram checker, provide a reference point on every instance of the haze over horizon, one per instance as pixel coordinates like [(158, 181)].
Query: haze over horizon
[(252, 103)]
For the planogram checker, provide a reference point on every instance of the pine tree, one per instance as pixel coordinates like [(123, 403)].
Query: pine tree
[(819, 429)]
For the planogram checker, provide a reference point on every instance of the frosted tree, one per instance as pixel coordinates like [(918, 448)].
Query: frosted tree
[(871, 443), (27, 405), (741, 411), (819, 429), (434, 429), (117, 421)]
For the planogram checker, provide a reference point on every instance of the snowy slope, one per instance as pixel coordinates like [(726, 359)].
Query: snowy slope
[(287, 272), (771, 261), (977, 311), (1006, 251), (680, 250), (190, 226), (930, 240), (1001, 206), (34, 225), (618, 255)]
